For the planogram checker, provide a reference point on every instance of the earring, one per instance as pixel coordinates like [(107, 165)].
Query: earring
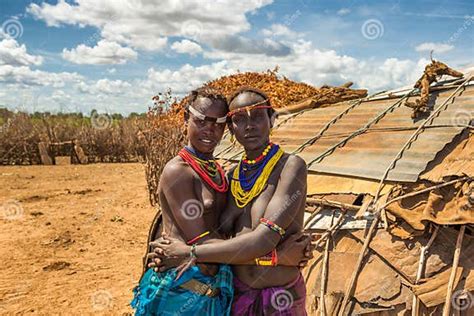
[(232, 139), (271, 131)]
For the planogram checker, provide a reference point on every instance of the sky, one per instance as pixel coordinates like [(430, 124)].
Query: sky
[(114, 55)]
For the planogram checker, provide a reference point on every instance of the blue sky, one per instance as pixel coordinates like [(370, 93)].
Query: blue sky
[(113, 55)]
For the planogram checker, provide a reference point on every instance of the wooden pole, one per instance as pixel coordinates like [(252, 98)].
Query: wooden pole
[(350, 288), (324, 276), (315, 201), (452, 277), (312, 216), (324, 272), (419, 273), (330, 231)]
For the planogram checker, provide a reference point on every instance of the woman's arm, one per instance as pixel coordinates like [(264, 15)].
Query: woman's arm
[(296, 250), (261, 240)]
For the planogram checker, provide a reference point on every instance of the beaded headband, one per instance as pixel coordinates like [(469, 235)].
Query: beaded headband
[(249, 108), (201, 116)]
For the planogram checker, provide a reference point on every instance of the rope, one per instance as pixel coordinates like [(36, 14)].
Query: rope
[(399, 129), (362, 129), (334, 120), (415, 135), (349, 290)]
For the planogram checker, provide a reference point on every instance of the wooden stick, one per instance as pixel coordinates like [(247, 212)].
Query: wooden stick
[(421, 265), (315, 201), (350, 288), (425, 190), (324, 270), (313, 215), (324, 277), (383, 214), (329, 232), (452, 277)]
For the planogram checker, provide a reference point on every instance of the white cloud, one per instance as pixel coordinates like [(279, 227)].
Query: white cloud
[(318, 67), (391, 74), (279, 30), (211, 28), (186, 78), (343, 11), (105, 86), (15, 68), (186, 47), (60, 96), (11, 53), (436, 47), (103, 53), (23, 75), (145, 24)]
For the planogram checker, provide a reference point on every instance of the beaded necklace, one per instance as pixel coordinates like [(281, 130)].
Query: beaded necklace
[(206, 169), (207, 163), (259, 158), (245, 189)]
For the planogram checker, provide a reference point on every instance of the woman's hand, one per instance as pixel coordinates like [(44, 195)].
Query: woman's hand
[(168, 247), (160, 263), (297, 250)]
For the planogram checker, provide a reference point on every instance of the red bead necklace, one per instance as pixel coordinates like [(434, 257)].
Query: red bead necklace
[(203, 173)]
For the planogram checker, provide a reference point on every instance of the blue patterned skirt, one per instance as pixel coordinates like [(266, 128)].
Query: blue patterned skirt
[(159, 294)]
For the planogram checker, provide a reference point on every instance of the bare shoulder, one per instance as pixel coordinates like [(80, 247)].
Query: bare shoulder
[(294, 164), (177, 170)]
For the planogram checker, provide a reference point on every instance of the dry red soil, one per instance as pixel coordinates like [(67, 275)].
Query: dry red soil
[(72, 238)]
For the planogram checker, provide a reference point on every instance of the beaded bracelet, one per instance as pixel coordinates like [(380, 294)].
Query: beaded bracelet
[(195, 239), (272, 226), (192, 253), (268, 260)]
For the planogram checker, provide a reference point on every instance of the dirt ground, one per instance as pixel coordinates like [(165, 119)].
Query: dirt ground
[(72, 238)]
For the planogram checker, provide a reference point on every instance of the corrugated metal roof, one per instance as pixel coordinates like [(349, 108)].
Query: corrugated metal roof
[(458, 160), (369, 154)]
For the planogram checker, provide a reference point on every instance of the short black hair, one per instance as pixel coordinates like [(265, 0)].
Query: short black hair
[(271, 112), (204, 92)]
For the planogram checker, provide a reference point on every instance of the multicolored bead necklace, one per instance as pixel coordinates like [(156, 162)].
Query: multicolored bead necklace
[(206, 163), (207, 169), (245, 189), (259, 158)]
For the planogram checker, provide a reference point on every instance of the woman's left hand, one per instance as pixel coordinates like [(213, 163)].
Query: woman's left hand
[(162, 264), (170, 247)]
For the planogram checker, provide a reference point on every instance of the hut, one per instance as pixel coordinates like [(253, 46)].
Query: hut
[(391, 198)]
